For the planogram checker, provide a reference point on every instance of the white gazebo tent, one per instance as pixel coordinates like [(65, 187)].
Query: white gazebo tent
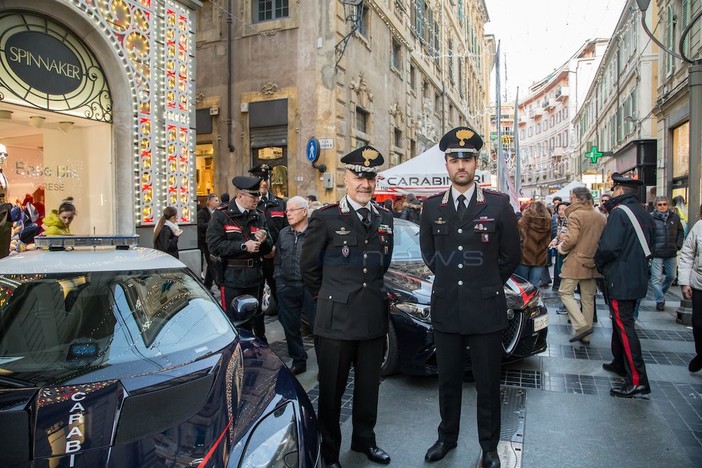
[(423, 175), (564, 192)]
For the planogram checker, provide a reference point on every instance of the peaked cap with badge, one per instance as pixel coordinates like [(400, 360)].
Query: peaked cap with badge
[(461, 143), (248, 184), (262, 171), (364, 161), (618, 179)]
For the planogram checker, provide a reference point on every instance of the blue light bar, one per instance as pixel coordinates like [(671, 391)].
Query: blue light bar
[(65, 242)]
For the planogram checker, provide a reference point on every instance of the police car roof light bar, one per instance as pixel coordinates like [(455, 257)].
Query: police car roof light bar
[(64, 242)]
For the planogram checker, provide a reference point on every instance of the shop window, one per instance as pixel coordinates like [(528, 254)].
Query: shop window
[(204, 169)]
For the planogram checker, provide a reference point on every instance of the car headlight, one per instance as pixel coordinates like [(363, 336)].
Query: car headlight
[(418, 311), (274, 441)]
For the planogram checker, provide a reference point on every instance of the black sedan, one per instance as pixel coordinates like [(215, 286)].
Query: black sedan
[(410, 342), (118, 356)]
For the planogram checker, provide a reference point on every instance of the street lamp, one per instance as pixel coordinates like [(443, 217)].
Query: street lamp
[(694, 80)]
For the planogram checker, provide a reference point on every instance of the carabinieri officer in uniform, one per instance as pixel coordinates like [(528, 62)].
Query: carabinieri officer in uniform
[(347, 251), (237, 234), (470, 241)]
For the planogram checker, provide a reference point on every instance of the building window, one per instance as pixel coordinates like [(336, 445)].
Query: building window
[(396, 55), (265, 10), (425, 90), (450, 61), (413, 148), (364, 24), (437, 102), (413, 77), (398, 137), (361, 120)]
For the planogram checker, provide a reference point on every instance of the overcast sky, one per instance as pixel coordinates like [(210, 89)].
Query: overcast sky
[(538, 36)]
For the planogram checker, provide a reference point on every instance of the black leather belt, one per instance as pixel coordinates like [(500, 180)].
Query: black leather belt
[(250, 263)]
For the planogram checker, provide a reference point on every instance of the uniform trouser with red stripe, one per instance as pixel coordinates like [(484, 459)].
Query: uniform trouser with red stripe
[(626, 348)]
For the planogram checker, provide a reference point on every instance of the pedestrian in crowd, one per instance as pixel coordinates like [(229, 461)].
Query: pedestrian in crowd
[(58, 222), (412, 210), (535, 235), (294, 299), (690, 278), (273, 209), (681, 209), (470, 240), (398, 207), (167, 232), (669, 239), (347, 251), (622, 257), (558, 235), (388, 205), (577, 248), (604, 199), (203, 220), (554, 226), (311, 198), (237, 236), (312, 206)]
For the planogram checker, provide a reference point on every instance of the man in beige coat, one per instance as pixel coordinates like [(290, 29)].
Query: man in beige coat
[(578, 246)]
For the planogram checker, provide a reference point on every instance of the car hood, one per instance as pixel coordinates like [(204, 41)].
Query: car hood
[(411, 281)]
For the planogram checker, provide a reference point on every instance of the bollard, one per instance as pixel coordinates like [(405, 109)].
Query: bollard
[(683, 314)]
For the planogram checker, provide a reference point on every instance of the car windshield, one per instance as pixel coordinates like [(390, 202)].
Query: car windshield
[(406, 242), (75, 327)]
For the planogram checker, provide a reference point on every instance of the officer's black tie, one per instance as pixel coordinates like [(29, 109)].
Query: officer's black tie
[(461, 207), (264, 199), (365, 216)]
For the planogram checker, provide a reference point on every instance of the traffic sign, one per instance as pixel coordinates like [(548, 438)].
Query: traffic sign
[(312, 150)]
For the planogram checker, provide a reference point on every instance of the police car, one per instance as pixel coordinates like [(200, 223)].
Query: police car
[(116, 355)]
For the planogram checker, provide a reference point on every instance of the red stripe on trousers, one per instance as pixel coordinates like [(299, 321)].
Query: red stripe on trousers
[(625, 343), (221, 290)]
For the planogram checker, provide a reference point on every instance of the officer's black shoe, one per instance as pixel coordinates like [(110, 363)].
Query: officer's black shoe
[(374, 454), (630, 391), (298, 368), (610, 367), (490, 460), (439, 450), (695, 364)]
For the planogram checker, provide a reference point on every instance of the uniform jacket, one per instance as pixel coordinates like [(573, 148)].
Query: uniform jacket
[(535, 235), (585, 225), (203, 219), (669, 234), (287, 257), (274, 210), (227, 231), (471, 260), (690, 267), (619, 255), (167, 241), (343, 263)]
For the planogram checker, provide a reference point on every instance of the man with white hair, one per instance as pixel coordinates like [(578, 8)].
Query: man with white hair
[(293, 297)]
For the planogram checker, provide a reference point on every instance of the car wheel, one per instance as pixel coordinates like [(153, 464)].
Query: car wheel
[(268, 304), (390, 355)]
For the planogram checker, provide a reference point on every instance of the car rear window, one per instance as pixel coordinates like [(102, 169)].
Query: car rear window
[(74, 327), (406, 242)]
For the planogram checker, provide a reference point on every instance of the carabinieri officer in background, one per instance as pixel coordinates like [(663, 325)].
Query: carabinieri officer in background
[(273, 209), (237, 235), (470, 241), (347, 251)]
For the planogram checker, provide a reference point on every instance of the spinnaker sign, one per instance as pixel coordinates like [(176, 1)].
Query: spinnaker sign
[(43, 62)]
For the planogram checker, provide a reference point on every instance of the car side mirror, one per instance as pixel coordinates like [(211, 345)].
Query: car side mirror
[(244, 307)]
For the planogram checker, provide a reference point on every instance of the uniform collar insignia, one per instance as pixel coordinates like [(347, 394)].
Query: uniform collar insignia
[(479, 195), (344, 205), (444, 201)]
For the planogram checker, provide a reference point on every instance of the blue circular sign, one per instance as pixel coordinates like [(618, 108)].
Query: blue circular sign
[(312, 150)]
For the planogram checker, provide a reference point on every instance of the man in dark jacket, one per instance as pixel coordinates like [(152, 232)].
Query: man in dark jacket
[(669, 239), (273, 209), (470, 241), (347, 250), (203, 219), (623, 259), (293, 298), (237, 234)]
